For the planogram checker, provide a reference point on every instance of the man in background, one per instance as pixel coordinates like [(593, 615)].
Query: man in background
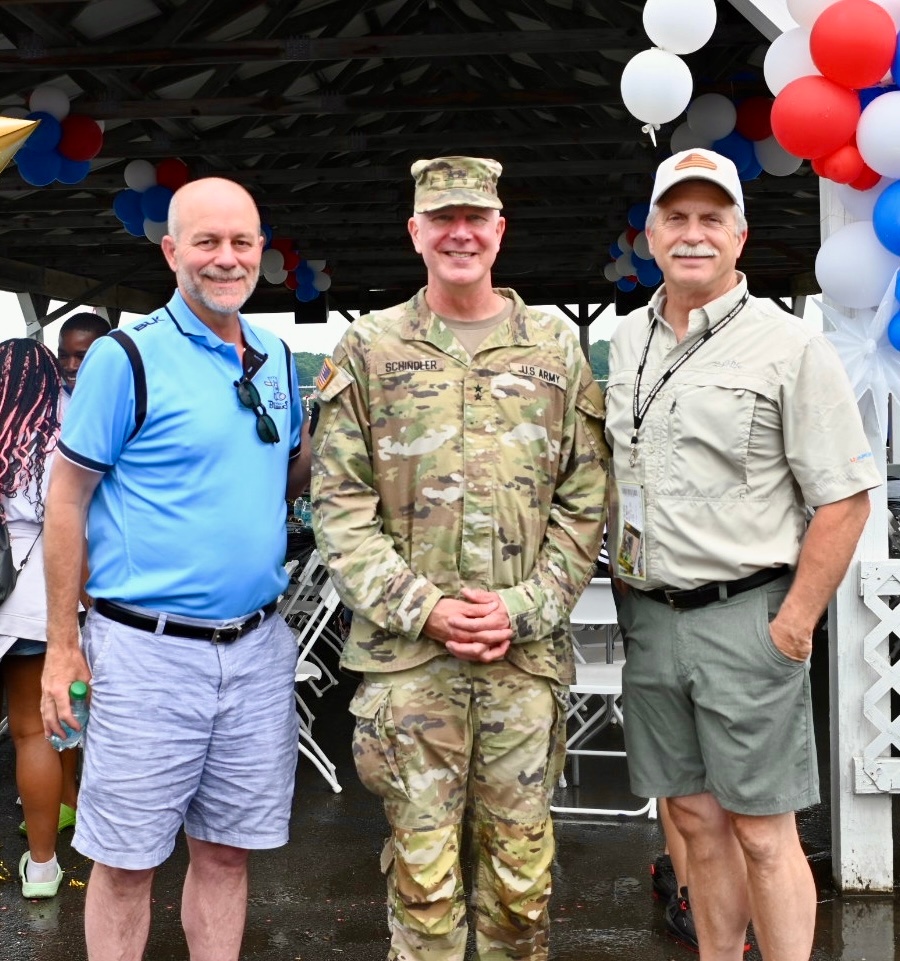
[(76, 335)]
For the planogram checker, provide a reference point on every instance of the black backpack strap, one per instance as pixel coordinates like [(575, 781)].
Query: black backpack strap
[(289, 360), (139, 374)]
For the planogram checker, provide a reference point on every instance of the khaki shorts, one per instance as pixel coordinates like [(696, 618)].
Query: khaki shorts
[(711, 705)]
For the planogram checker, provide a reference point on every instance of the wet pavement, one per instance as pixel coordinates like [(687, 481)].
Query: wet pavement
[(321, 897)]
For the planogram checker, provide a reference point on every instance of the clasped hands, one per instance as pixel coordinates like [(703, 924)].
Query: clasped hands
[(473, 627)]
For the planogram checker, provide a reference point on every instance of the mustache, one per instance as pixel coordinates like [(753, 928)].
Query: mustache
[(693, 250), (239, 274)]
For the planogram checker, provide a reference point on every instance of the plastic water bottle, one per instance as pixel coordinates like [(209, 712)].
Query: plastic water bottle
[(303, 511), (78, 698)]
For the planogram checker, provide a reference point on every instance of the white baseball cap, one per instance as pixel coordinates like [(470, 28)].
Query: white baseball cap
[(698, 164)]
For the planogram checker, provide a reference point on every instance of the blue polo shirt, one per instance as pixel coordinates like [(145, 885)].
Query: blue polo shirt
[(189, 516)]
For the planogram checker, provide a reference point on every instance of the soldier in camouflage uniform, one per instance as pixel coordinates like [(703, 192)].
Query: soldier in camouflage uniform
[(458, 484)]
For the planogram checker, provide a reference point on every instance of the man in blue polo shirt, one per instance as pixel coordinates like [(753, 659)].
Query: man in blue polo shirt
[(179, 448)]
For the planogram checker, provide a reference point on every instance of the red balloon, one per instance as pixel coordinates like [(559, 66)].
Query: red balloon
[(82, 138), (842, 166), (631, 233), (754, 118), (171, 173), (291, 281), (282, 244), (813, 116), (868, 178), (291, 260), (852, 42)]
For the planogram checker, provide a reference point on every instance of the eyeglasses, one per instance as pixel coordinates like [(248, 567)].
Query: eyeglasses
[(249, 397)]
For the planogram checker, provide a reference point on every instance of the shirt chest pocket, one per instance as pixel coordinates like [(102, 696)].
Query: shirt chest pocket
[(704, 425)]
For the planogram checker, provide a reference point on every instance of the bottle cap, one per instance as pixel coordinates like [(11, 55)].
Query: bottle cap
[(78, 690)]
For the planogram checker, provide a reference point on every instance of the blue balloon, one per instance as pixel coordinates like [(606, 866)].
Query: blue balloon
[(266, 231), (72, 171), (626, 285), (895, 63), (615, 251), (38, 169), (893, 331), (752, 170), (45, 135), (127, 206), (868, 94), (886, 218), (737, 148), (155, 203), (305, 293), (304, 274), (897, 287), (135, 228), (637, 216), (648, 273)]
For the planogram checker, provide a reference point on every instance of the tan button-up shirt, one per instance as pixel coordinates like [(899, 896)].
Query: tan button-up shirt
[(760, 422)]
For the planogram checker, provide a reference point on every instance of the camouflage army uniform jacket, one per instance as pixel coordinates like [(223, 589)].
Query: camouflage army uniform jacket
[(434, 471)]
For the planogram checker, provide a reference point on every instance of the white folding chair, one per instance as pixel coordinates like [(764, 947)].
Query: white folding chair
[(306, 744), (595, 613), (310, 623), (595, 697)]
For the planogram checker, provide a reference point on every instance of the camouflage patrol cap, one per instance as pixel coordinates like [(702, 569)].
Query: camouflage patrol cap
[(456, 182)]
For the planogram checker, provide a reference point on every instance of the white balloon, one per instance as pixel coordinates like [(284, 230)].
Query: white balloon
[(642, 246), (321, 281), (656, 86), (669, 27), (611, 273), (853, 268), (50, 100), (276, 276), (140, 174), (155, 230), (860, 204), (625, 265), (774, 159), (683, 138), (272, 260), (806, 12), (876, 134), (623, 242), (316, 264), (788, 58), (712, 115)]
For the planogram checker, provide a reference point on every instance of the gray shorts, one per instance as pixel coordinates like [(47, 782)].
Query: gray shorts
[(711, 705), (186, 732)]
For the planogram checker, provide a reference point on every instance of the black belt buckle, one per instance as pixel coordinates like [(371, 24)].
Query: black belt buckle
[(670, 598), (225, 635), (688, 600)]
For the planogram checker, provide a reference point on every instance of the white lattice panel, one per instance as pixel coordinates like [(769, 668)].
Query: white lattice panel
[(876, 771)]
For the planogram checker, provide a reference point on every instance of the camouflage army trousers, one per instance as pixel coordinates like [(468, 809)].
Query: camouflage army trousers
[(440, 740)]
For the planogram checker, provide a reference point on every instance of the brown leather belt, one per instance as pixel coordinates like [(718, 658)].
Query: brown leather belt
[(710, 593)]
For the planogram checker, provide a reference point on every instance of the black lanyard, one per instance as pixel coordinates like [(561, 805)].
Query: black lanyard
[(638, 410)]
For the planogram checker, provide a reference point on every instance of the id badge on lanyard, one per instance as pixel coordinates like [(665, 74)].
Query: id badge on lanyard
[(631, 559)]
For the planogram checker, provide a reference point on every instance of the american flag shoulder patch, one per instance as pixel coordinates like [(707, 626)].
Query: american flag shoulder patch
[(325, 374)]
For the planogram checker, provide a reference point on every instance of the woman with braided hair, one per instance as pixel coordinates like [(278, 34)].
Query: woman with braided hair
[(31, 405)]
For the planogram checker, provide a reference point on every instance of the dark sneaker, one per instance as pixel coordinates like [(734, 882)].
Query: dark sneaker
[(662, 875), (680, 922)]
